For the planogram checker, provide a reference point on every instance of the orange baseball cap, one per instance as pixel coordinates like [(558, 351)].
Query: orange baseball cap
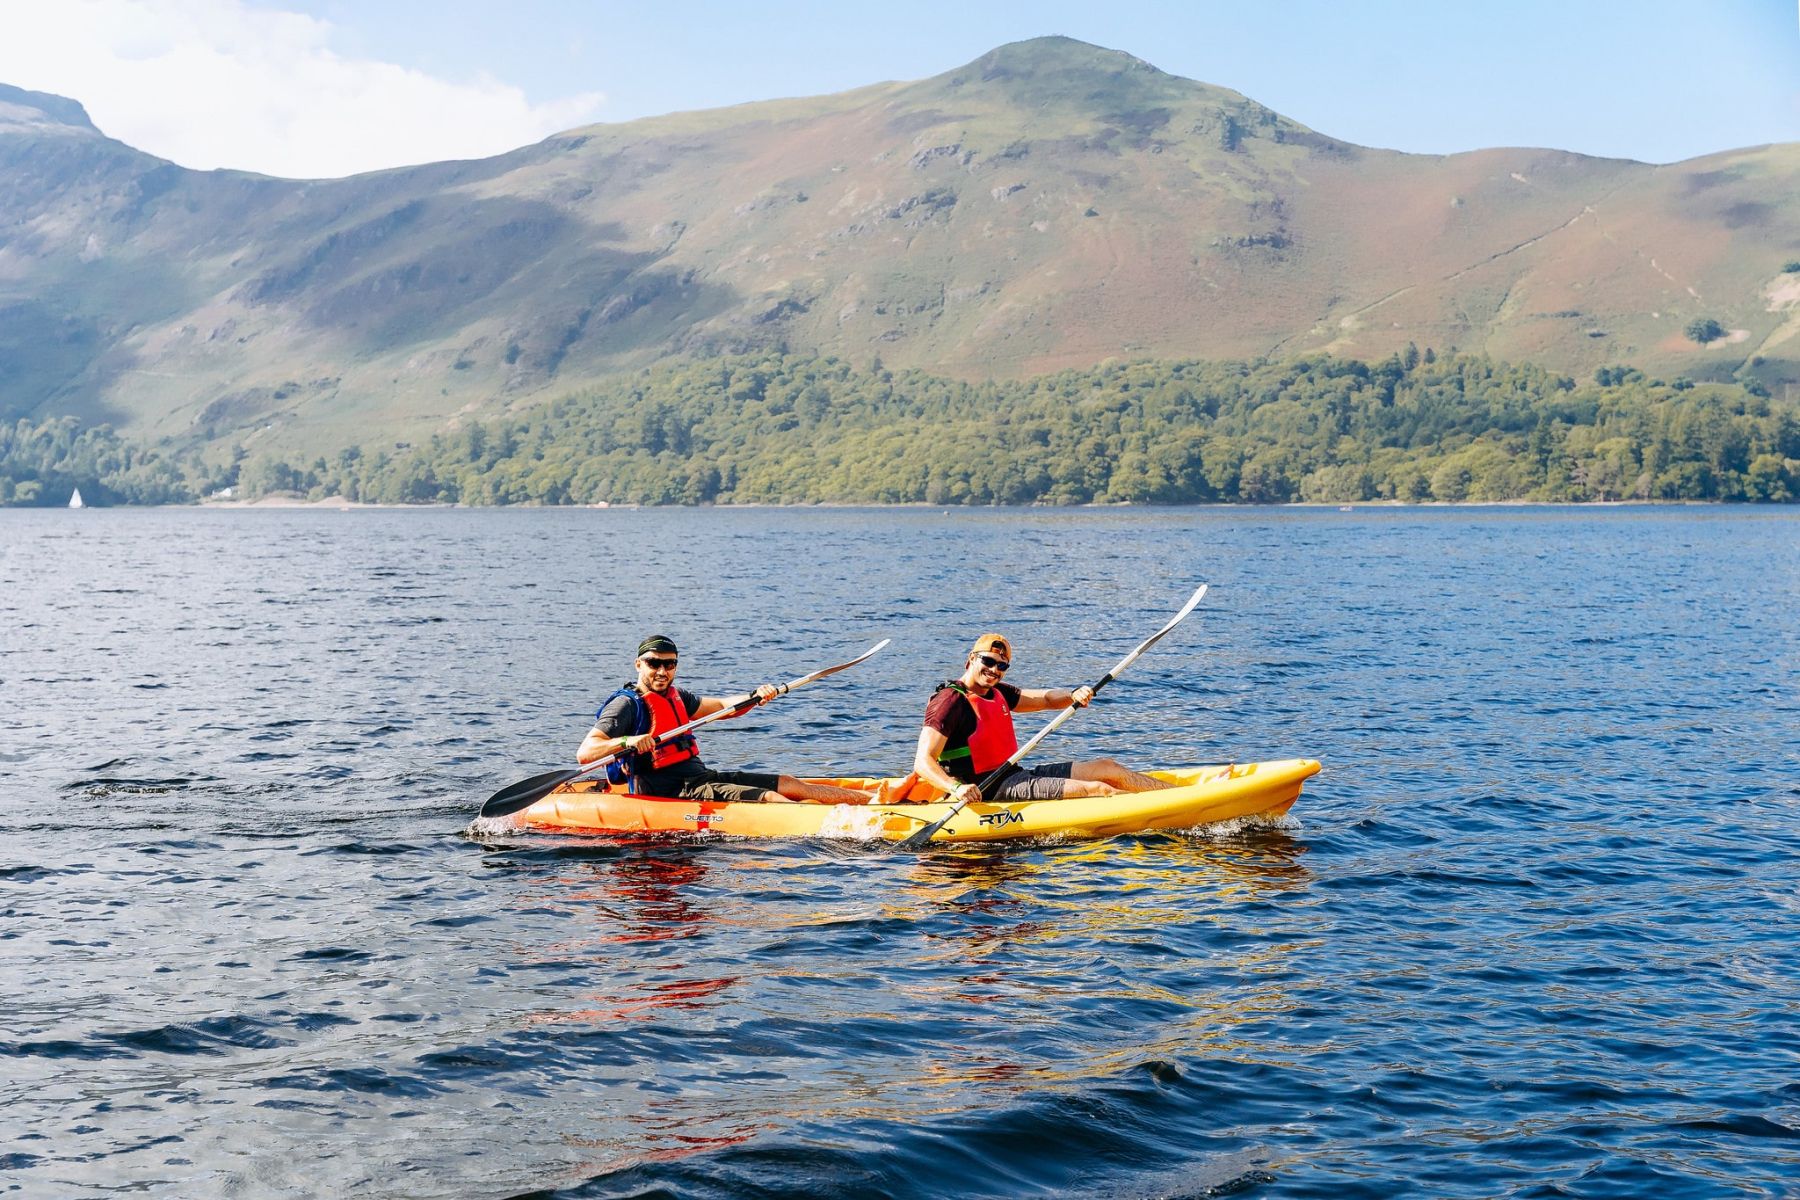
[(990, 643)]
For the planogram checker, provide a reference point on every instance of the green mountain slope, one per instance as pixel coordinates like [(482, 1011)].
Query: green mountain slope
[(1050, 205)]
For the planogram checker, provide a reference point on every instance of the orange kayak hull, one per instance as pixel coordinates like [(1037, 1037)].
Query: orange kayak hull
[(1195, 796)]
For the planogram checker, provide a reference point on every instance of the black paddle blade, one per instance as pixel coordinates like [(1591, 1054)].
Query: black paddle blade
[(525, 793), (918, 839)]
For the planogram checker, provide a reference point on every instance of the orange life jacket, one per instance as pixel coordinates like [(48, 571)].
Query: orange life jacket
[(654, 713), (668, 712), (992, 742)]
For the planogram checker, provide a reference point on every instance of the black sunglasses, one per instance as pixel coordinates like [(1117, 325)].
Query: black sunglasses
[(659, 664), (996, 665)]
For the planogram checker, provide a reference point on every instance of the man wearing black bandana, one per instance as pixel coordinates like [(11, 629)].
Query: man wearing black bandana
[(633, 717)]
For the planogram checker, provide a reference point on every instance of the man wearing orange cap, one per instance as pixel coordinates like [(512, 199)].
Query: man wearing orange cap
[(969, 732)]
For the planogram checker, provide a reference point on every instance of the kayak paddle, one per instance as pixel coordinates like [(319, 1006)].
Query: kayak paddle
[(523, 794), (922, 837)]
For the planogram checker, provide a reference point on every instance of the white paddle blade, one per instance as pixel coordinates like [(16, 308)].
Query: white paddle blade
[(843, 666), (1178, 618)]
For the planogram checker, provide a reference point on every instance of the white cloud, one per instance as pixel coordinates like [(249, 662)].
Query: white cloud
[(215, 83)]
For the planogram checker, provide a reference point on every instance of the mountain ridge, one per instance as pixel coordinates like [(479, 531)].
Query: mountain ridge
[(1048, 205), (17, 106)]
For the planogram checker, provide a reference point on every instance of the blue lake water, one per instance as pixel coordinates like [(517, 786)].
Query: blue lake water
[(1534, 931)]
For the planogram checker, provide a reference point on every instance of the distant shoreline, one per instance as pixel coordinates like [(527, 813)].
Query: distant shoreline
[(295, 502), (339, 503)]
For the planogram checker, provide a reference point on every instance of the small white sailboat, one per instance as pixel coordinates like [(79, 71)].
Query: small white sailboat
[(75, 499)]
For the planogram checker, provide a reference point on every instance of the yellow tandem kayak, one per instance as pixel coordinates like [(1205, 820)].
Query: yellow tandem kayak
[(1195, 796)]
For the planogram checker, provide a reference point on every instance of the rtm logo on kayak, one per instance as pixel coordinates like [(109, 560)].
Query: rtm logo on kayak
[(1002, 818)]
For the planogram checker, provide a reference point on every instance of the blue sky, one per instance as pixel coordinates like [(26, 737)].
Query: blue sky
[(287, 86)]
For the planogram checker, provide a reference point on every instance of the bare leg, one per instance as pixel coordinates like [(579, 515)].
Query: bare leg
[(1120, 777), (1076, 786), (817, 793)]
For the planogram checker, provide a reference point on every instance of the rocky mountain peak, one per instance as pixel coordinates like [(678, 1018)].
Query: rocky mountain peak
[(19, 107)]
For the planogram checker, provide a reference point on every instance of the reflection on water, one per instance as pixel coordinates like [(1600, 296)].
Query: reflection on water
[(1021, 966), (646, 894)]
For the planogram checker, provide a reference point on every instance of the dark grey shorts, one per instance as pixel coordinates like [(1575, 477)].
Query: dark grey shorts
[(717, 786), (1047, 782)]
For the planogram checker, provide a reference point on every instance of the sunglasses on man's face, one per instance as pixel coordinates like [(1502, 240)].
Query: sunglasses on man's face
[(659, 664), (996, 665)]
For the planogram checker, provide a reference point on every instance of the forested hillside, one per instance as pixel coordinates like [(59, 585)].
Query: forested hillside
[(787, 429), (1049, 206)]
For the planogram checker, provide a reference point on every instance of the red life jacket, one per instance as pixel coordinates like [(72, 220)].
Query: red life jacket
[(992, 742), (668, 712)]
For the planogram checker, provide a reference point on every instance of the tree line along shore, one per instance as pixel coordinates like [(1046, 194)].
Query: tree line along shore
[(776, 428)]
